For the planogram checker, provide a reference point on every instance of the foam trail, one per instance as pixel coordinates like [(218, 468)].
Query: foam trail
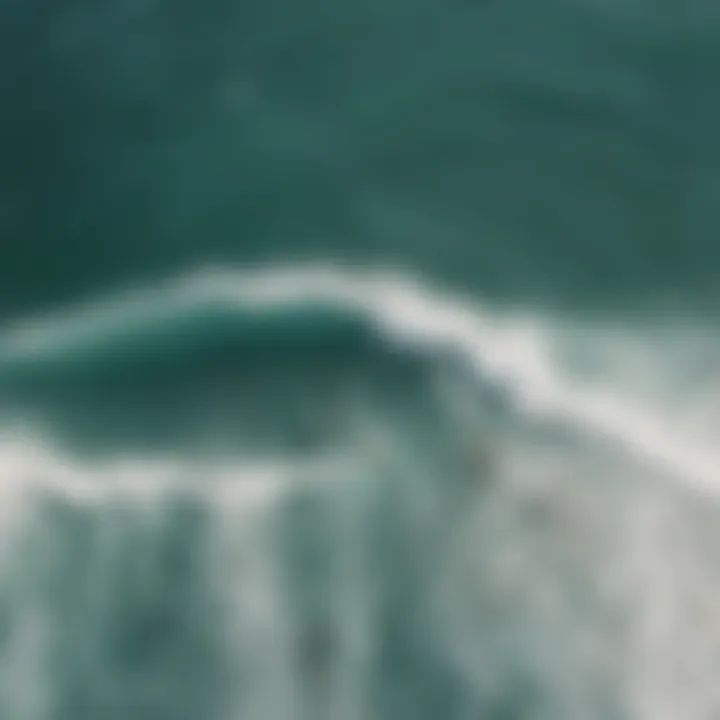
[(32, 465), (215, 555), (512, 351)]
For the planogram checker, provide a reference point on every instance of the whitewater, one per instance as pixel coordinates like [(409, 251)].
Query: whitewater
[(511, 514)]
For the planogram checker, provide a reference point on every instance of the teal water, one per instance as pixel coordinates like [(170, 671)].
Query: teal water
[(559, 150), (359, 360)]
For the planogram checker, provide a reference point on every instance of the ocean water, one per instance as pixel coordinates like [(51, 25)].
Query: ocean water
[(359, 360)]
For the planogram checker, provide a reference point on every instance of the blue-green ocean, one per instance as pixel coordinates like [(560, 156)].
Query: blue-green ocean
[(359, 360)]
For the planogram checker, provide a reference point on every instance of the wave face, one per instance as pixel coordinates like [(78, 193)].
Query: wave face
[(320, 493)]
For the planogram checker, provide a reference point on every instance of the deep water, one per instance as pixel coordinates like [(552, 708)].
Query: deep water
[(552, 150)]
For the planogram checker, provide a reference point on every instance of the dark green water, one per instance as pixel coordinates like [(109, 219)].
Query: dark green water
[(562, 150), (359, 360)]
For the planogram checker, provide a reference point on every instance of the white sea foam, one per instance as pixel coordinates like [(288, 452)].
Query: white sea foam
[(601, 591), (521, 352)]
